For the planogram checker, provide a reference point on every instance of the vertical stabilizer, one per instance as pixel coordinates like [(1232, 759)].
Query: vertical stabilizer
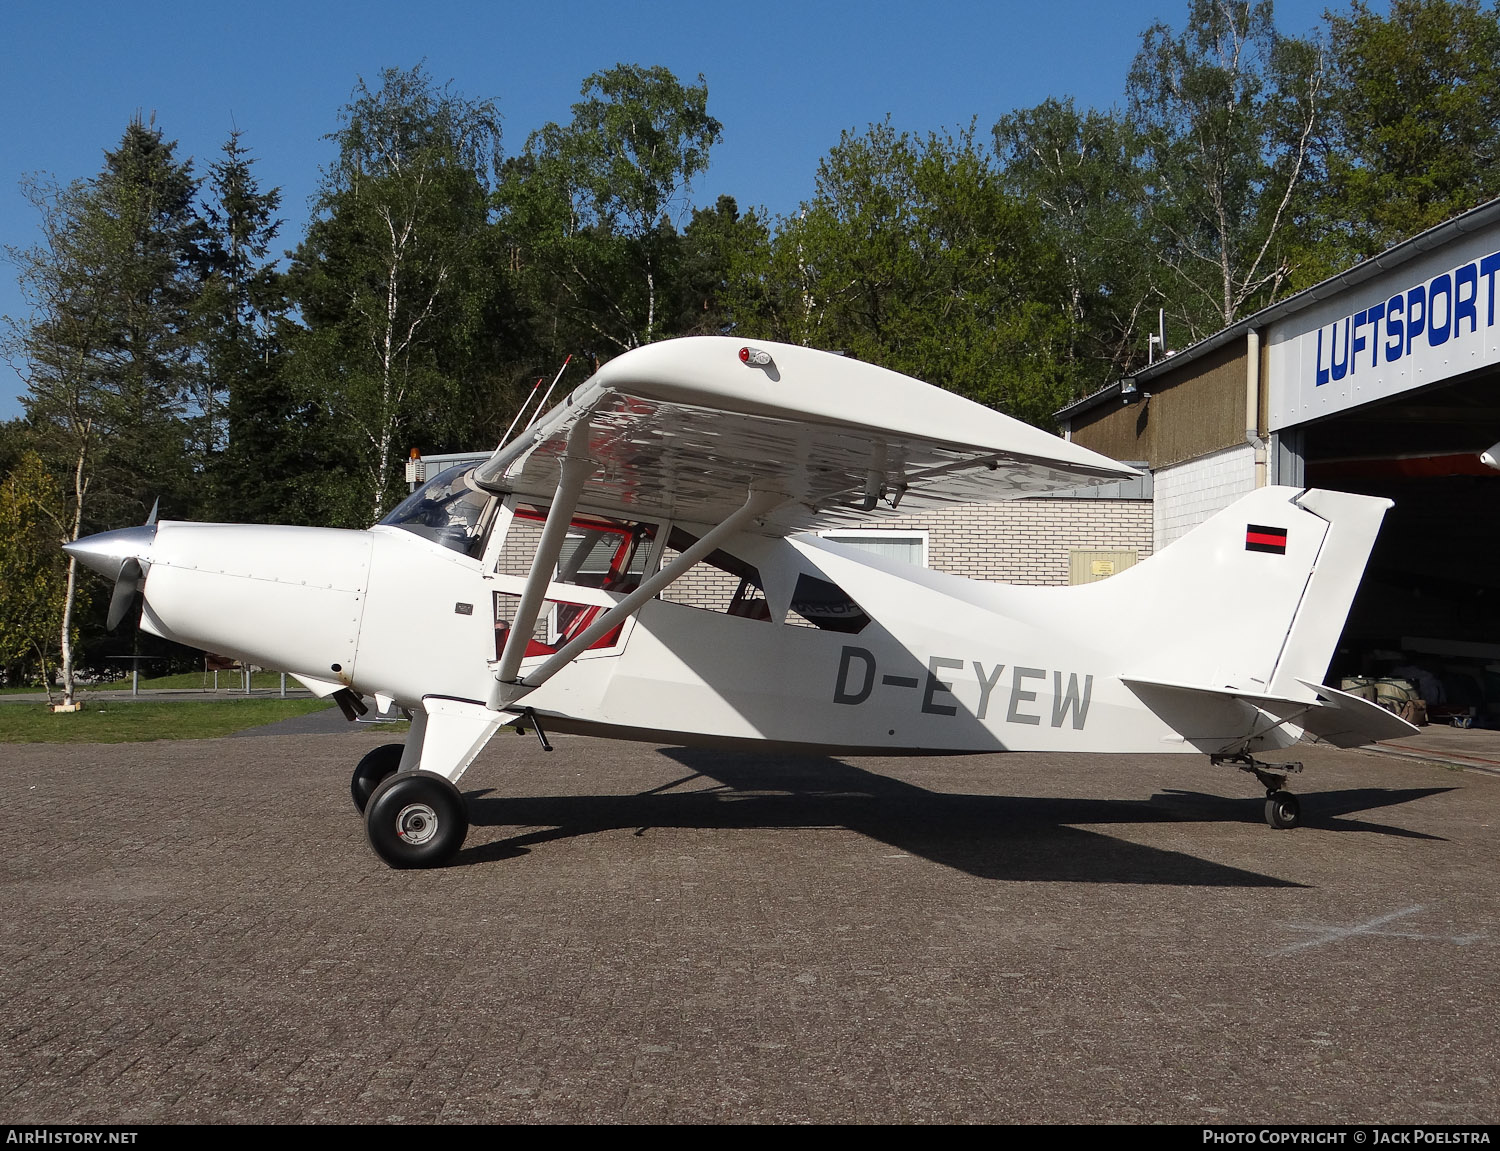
[(1253, 600)]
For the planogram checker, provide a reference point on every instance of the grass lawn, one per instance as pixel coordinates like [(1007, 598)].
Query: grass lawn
[(229, 681), (108, 722)]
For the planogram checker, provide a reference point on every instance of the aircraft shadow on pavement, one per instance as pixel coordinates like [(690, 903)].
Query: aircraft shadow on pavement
[(988, 836)]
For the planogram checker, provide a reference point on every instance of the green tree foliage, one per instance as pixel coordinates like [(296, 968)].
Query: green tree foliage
[(108, 352), (145, 207), (912, 255), (589, 209), (33, 580), (1080, 170), (724, 253), (396, 278), (1226, 110), (166, 356), (15, 436), (1415, 129), (249, 429)]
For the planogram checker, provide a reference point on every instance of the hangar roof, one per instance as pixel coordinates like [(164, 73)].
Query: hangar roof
[(1423, 242)]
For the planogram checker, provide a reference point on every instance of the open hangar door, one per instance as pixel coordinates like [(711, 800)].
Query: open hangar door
[(1429, 604)]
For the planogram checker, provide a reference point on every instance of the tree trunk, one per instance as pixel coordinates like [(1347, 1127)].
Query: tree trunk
[(65, 646)]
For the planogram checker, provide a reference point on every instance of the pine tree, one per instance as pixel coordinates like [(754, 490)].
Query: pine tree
[(251, 430), (108, 351)]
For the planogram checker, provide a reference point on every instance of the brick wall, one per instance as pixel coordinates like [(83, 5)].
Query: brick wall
[(1020, 541), (1025, 541), (703, 586), (1188, 493)]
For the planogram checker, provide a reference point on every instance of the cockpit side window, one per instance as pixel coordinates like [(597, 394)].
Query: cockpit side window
[(449, 510), (719, 582), (826, 605), (726, 583), (598, 551)]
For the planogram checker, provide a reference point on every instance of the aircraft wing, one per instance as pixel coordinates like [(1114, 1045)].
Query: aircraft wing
[(685, 428)]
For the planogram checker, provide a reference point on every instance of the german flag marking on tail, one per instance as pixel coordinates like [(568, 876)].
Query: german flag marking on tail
[(1259, 538)]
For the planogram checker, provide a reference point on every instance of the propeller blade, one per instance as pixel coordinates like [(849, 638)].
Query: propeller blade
[(127, 589)]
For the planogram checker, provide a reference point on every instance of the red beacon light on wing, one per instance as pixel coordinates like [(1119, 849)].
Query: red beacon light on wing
[(754, 357)]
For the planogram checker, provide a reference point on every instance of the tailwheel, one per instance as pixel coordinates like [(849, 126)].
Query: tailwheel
[(376, 767), (1283, 810), (416, 819)]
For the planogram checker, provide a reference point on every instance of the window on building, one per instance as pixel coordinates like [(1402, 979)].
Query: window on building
[(907, 547)]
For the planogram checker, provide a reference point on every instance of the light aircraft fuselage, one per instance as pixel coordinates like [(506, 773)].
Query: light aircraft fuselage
[(637, 563)]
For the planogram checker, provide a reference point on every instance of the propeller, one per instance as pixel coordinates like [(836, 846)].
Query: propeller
[(122, 556)]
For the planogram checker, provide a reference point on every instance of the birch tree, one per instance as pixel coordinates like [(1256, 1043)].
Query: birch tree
[(1080, 170), (1228, 109), (591, 209), (391, 277)]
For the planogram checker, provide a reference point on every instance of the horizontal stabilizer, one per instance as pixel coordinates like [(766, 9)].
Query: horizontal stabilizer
[(1334, 716), (1361, 721)]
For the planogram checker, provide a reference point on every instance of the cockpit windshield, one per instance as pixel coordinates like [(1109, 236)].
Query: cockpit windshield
[(447, 509)]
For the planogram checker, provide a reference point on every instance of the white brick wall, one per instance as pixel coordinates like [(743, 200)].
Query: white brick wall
[(1020, 541), (1188, 493), (1025, 541)]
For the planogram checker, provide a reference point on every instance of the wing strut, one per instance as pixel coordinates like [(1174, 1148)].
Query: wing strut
[(577, 466), (756, 504)]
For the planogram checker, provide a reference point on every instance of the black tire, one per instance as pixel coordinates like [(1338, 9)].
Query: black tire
[(416, 819), (376, 767), (1283, 810)]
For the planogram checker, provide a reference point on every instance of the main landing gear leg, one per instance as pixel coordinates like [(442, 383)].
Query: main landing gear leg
[(1283, 809)]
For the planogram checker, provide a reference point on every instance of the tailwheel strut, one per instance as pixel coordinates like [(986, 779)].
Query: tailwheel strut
[(1283, 809)]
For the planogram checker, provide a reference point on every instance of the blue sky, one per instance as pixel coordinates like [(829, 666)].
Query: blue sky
[(784, 78)]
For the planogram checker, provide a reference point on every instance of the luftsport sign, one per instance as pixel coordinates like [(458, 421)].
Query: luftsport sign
[(1429, 319)]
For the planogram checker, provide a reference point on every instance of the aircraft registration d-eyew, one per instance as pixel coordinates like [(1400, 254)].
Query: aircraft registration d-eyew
[(545, 587)]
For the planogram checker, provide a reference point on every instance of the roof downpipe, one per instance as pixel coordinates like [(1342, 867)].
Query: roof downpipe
[(1253, 435)]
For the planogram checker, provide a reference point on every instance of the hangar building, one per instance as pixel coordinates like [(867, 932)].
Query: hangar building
[(1383, 380)]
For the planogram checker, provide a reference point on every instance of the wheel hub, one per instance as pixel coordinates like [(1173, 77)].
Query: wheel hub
[(416, 823)]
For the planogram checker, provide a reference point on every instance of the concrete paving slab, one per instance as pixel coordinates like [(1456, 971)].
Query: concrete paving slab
[(198, 931), (1477, 749)]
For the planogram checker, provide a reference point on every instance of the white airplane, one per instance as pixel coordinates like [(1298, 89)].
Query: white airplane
[(536, 589)]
